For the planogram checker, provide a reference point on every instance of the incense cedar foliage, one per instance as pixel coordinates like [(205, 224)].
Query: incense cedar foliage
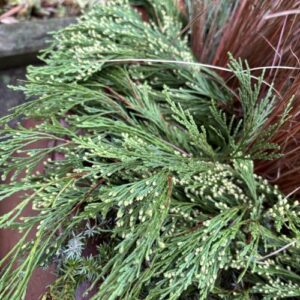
[(155, 171)]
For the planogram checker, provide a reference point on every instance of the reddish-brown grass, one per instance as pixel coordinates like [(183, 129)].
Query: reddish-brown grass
[(265, 33)]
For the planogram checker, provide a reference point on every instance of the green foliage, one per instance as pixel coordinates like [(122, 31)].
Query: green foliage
[(147, 170)]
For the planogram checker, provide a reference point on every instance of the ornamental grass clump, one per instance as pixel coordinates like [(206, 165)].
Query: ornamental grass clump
[(149, 190)]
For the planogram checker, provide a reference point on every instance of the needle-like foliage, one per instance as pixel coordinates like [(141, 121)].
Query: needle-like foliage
[(148, 190)]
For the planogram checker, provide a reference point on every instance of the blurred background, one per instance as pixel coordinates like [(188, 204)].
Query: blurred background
[(24, 31)]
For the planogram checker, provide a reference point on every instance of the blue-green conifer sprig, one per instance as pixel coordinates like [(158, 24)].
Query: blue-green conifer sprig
[(155, 178)]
